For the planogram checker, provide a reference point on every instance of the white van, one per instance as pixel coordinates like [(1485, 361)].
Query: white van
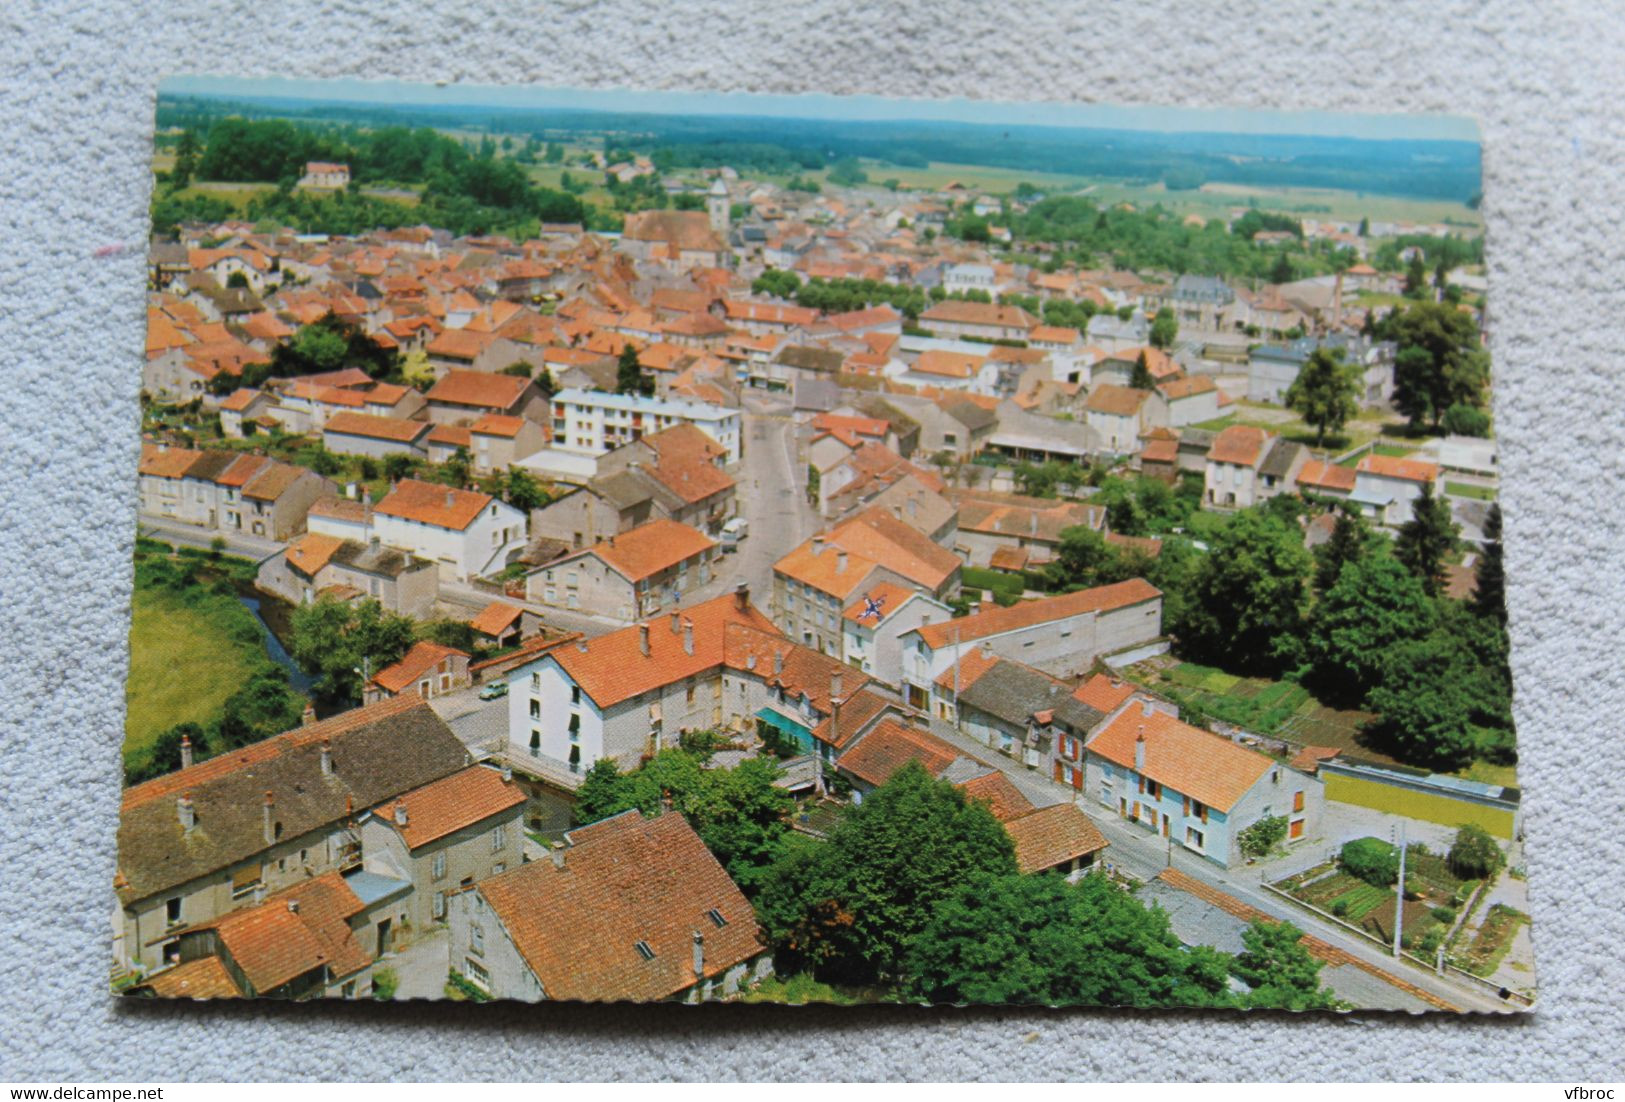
[(734, 531)]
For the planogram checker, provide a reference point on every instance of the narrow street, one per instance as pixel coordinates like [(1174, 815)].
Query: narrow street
[(257, 548)]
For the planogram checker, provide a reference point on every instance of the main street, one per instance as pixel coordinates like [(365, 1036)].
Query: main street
[(177, 532)]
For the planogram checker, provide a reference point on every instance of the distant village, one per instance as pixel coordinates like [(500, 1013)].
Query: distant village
[(681, 513)]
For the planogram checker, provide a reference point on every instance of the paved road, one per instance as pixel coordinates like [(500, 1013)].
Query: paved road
[(1143, 855), (237, 543)]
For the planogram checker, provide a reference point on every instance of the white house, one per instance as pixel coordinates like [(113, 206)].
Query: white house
[(591, 422), (467, 534), (1387, 486), (872, 627)]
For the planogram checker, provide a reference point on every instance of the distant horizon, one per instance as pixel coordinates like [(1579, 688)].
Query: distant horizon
[(835, 108)]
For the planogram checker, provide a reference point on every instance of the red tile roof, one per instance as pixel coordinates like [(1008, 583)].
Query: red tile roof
[(1104, 693), (1239, 445), (496, 618), (1117, 401), (1024, 614), (979, 313), (624, 882), (479, 389), (612, 668), (890, 746), (421, 659), (1003, 799), (376, 428), (203, 978), (434, 504), (451, 804), (1326, 476), (649, 548), (888, 597), (1053, 836), (1192, 762), (312, 551), (1406, 470), (953, 365), (293, 932)]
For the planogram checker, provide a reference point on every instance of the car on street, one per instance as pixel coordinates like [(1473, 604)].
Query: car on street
[(494, 690)]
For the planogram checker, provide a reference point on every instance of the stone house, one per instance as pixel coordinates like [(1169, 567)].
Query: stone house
[(630, 575), (679, 930), (226, 491), (316, 565), (427, 670)]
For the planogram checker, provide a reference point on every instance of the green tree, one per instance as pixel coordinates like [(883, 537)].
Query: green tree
[(1375, 605), (1474, 855), (1489, 591), (1164, 330), (1263, 836), (630, 378), (1326, 392), (331, 639), (1085, 560), (399, 465), (521, 490), (1248, 596), (1140, 378), (186, 159), (1350, 540), (1427, 539), (1277, 966), (264, 707), (1416, 276), (850, 909), (1440, 362), (1039, 939), (1425, 701), (455, 471), (1464, 420)]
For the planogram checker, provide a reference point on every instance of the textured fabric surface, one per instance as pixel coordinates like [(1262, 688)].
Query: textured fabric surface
[(77, 84)]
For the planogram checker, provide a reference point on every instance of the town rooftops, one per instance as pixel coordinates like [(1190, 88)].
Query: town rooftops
[(1192, 762), (295, 931), (1116, 401), (1052, 836), (948, 363), (376, 752), (649, 548), (1104, 693), (1396, 467), (995, 620), (1239, 445), (1319, 475), (616, 919), (613, 667), (421, 659), (433, 504), (496, 618), (979, 313), (879, 754), (443, 807), (479, 390), (800, 671), (376, 428)]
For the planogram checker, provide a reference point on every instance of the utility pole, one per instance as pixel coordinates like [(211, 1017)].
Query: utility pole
[(1399, 890)]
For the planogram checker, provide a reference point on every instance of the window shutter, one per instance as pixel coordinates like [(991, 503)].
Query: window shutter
[(1204, 813), (1142, 782), (1187, 805)]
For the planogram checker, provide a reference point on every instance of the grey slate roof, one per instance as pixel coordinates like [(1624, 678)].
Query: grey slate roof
[(379, 752), (810, 359), (1013, 692), (383, 561), (1282, 454)]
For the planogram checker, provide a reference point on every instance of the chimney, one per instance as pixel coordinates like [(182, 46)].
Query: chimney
[(897, 511), (293, 906), (1145, 708), (308, 716), (507, 774), (778, 662), (643, 639), (699, 955), (188, 814), (1139, 750), (913, 506), (834, 687), (581, 644), (742, 596), (400, 814), (557, 854), (688, 635), (327, 757), (270, 827), (987, 648), (372, 541), (676, 621), (1032, 523), (451, 498), (840, 562), (186, 751), (818, 545), (750, 661), (665, 800)]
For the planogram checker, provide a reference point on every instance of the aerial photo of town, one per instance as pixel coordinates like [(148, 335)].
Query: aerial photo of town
[(615, 546)]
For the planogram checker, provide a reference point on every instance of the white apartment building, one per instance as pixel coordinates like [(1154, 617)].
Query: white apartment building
[(592, 422)]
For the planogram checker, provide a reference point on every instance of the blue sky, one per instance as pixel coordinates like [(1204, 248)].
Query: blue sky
[(1320, 123)]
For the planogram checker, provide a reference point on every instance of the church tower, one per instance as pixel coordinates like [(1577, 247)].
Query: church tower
[(716, 205)]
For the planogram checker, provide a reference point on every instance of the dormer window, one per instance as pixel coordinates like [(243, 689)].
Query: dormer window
[(644, 950), (716, 918)]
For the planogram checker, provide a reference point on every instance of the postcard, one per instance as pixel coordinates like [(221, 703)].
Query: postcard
[(681, 547)]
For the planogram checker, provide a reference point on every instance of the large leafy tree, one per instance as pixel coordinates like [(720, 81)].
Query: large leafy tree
[(1426, 700), (332, 639), (1039, 939), (1248, 596), (1375, 605), (1326, 392), (329, 344), (264, 707), (1426, 540), (1279, 969), (851, 908), (1164, 329), (1440, 362)]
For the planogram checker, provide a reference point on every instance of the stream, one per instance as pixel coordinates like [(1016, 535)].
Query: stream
[(259, 606)]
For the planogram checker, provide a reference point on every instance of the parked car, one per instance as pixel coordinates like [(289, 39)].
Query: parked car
[(494, 690)]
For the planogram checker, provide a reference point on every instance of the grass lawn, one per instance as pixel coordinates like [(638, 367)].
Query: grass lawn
[(1465, 489), (183, 665), (1393, 451), (1008, 585)]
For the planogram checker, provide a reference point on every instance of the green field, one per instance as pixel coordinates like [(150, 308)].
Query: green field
[(184, 663)]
